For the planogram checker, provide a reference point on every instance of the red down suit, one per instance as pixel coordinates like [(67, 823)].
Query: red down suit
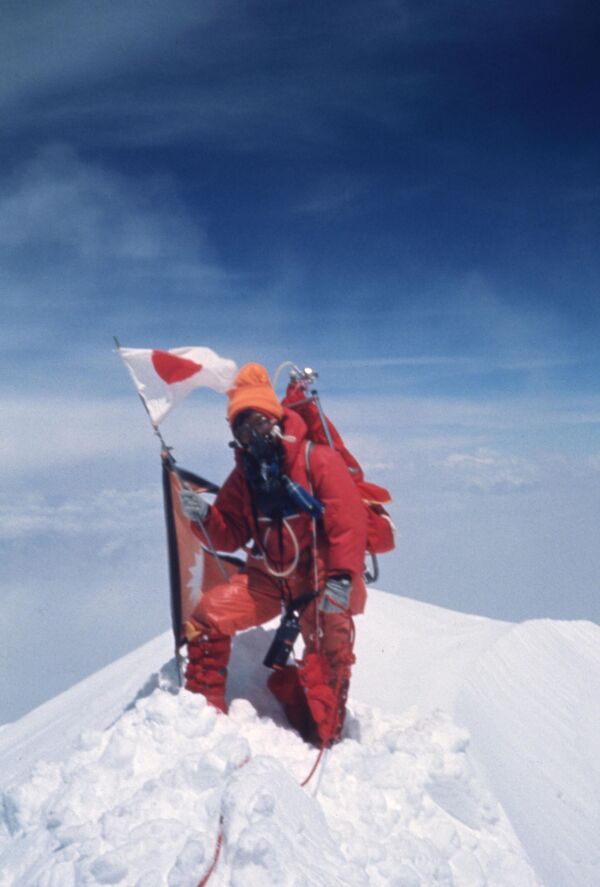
[(281, 566)]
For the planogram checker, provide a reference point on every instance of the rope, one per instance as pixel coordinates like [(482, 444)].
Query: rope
[(314, 767), (220, 834), (220, 838), (213, 865)]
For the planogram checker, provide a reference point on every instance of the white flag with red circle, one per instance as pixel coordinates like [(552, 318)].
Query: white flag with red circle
[(163, 378)]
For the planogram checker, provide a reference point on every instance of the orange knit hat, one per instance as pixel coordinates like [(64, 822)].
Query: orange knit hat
[(252, 390)]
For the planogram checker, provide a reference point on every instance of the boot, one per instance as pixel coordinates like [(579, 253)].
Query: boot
[(284, 684), (206, 670), (340, 665), (326, 681)]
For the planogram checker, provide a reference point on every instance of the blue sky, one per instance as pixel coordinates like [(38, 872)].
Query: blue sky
[(403, 195)]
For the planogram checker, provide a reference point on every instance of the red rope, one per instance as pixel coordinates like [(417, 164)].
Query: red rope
[(213, 865), (220, 836), (314, 767)]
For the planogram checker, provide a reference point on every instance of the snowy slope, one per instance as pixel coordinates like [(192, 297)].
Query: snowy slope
[(122, 780), (532, 707)]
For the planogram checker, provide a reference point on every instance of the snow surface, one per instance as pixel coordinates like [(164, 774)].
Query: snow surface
[(471, 759)]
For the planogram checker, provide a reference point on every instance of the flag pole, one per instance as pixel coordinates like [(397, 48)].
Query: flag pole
[(166, 452)]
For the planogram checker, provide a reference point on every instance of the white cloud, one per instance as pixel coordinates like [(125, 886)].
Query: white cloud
[(86, 211), (43, 435), (83, 248), (109, 513), (486, 471), (431, 417)]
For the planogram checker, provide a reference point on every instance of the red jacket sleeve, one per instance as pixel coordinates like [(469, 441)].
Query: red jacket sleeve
[(345, 517), (225, 523)]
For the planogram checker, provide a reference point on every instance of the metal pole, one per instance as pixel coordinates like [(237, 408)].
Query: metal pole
[(179, 664), (316, 400)]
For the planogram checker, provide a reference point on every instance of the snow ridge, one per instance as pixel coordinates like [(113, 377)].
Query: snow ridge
[(470, 759), (138, 804)]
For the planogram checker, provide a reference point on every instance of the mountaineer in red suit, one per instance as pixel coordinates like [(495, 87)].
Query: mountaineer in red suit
[(295, 508)]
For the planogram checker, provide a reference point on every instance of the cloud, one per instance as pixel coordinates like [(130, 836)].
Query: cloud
[(119, 515), (43, 434), (86, 212), (87, 253), (464, 333), (425, 449), (508, 331), (48, 438), (337, 195), (486, 471), (463, 363), (544, 363), (423, 360), (65, 42), (246, 73)]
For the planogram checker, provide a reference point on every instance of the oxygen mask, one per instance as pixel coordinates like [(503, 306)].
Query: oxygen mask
[(254, 433)]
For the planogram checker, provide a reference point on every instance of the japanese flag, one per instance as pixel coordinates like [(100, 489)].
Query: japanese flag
[(163, 378)]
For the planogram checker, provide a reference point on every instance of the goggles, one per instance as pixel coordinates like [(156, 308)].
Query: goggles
[(250, 426)]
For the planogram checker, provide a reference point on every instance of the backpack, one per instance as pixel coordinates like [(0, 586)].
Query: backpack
[(380, 529)]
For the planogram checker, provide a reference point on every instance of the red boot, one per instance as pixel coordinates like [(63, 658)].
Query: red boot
[(284, 684), (326, 680), (206, 671)]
